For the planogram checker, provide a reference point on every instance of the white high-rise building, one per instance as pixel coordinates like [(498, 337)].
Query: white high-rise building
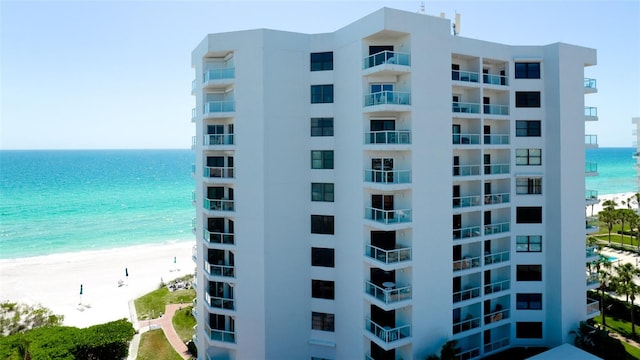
[(375, 192)]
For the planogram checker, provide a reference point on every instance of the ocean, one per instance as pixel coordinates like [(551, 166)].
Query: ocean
[(73, 200)]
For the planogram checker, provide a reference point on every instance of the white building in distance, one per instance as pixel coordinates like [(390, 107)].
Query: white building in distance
[(375, 192)]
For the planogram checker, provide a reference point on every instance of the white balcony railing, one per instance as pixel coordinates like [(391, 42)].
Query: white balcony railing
[(465, 139), (387, 98), (496, 139), (387, 57), (386, 333), (388, 216), (496, 316), (219, 139), (494, 109), (220, 302), (466, 263), (495, 169), (466, 294), (466, 170), (467, 76), (219, 74), (496, 257), (593, 306), (496, 287), (502, 198), (466, 232), (471, 322), (462, 107), (388, 176), (221, 270), (495, 345), (219, 106), (402, 137), (219, 205), (388, 256), (496, 228), (219, 237), (227, 336), (466, 201), (388, 295), (593, 279)]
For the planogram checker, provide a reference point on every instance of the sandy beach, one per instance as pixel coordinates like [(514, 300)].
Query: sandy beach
[(618, 198), (54, 280)]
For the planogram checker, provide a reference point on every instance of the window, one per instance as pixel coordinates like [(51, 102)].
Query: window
[(322, 61), (528, 330), (322, 159), (322, 321), (322, 257), (528, 186), (527, 98), (528, 243), (529, 301), (322, 192), (529, 215), (527, 70), (528, 157), (321, 126), (322, 224), (527, 128), (321, 94), (322, 289), (529, 273)]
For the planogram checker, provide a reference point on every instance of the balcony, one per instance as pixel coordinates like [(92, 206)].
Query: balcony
[(591, 168), (495, 345), (219, 74), (388, 256), (219, 204), (496, 169), (495, 287), (219, 139), (496, 139), (193, 225), (590, 113), (221, 335), (388, 216), (591, 141), (386, 333), (194, 253), (496, 258), (592, 224), (221, 172), (387, 62), (466, 139), (388, 295), (593, 307), (220, 302), (387, 98), (468, 354), (216, 107), (466, 201), (499, 228), (194, 142), (466, 170), (593, 280), (220, 270), (465, 263), (219, 237), (466, 294), (495, 109), (496, 316), (466, 232), (396, 137), (194, 115), (465, 76), (462, 107), (590, 86), (495, 79), (388, 176), (502, 198), (592, 252), (469, 323)]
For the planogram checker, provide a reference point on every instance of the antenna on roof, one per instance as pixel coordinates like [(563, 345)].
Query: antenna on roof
[(422, 8), (456, 25)]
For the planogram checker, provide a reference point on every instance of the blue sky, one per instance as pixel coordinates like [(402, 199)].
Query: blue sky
[(117, 74)]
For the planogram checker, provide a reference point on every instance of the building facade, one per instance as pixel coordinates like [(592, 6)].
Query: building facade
[(380, 190)]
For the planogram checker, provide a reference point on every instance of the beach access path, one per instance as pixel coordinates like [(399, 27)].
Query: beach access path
[(165, 323)]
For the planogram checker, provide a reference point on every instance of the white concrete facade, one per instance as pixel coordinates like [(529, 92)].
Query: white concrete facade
[(428, 143)]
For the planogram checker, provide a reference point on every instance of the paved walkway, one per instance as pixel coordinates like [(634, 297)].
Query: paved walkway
[(164, 323)]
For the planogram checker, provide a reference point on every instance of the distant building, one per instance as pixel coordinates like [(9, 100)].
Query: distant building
[(374, 192)]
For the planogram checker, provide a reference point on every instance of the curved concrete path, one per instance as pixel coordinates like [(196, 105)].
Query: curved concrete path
[(164, 323)]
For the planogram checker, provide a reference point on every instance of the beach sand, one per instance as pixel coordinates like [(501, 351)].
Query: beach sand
[(54, 280), (618, 198)]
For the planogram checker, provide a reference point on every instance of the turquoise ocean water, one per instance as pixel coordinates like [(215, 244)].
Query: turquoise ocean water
[(74, 200), (65, 201)]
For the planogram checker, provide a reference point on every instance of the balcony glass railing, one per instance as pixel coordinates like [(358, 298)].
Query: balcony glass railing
[(387, 295), (496, 169), (593, 306), (590, 167), (591, 140), (466, 201), (466, 263), (590, 111), (592, 251), (194, 253), (592, 223), (495, 79), (496, 287), (218, 172), (220, 302), (496, 198), (593, 279), (495, 345), (590, 83), (468, 76), (388, 177), (469, 323), (591, 195), (387, 98), (219, 237), (461, 107), (221, 335), (219, 139), (388, 137), (388, 256), (386, 333), (193, 224), (466, 294), (221, 270), (466, 232), (387, 57), (193, 85), (388, 216), (466, 139), (496, 228), (496, 257), (219, 205), (496, 139), (495, 109), (194, 142), (496, 316), (193, 114), (193, 169), (219, 106), (468, 354), (218, 74), (466, 170)]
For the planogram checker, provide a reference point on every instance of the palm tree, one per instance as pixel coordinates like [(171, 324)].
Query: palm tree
[(624, 216), (608, 217), (634, 223), (603, 267), (625, 286)]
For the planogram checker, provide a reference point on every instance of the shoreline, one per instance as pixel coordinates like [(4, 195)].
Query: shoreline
[(53, 281), (593, 210)]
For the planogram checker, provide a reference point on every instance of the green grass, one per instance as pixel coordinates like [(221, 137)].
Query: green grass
[(623, 328), (633, 353), (152, 304), (183, 321), (155, 346)]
